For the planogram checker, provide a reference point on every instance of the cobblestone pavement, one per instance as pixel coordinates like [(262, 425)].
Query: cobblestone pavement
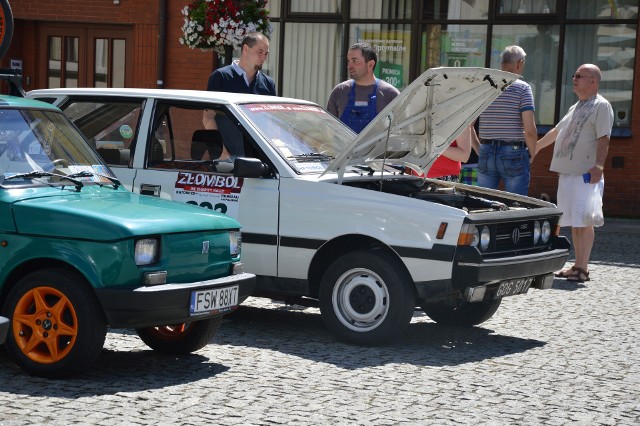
[(565, 355)]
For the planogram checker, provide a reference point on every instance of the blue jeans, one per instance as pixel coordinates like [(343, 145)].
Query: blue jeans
[(511, 163)]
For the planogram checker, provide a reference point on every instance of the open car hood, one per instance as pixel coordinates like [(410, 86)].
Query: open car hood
[(424, 118)]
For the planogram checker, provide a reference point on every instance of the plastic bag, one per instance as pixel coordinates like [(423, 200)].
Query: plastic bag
[(593, 215)]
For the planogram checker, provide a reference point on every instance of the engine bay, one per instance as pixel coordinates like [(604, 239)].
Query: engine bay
[(465, 197)]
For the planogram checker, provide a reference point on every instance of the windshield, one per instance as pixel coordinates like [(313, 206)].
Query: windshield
[(307, 136), (39, 147)]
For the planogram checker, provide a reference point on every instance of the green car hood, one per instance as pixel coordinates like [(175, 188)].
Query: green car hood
[(104, 214)]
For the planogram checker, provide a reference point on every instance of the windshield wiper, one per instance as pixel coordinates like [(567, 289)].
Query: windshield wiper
[(84, 173), (312, 156), (41, 173)]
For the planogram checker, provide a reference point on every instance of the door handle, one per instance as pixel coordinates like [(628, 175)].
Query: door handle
[(148, 189)]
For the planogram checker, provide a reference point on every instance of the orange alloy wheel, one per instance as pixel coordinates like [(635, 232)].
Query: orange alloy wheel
[(45, 325)]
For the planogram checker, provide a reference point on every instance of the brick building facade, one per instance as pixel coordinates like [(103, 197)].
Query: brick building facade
[(155, 58)]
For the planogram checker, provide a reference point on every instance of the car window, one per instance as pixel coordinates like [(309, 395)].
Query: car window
[(41, 148), (181, 141), (306, 136), (109, 125)]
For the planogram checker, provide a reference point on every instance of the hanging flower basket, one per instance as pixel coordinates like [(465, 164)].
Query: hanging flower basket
[(216, 24)]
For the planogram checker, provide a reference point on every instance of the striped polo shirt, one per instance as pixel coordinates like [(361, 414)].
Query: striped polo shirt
[(503, 118)]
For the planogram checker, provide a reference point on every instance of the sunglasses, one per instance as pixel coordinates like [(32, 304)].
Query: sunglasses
[(578, 76)]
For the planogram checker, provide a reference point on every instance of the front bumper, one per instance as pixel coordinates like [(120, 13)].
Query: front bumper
[(471, 268), (164, 304), (474, 277)]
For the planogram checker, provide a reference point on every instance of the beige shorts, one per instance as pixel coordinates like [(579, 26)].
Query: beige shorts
[(573, 199)]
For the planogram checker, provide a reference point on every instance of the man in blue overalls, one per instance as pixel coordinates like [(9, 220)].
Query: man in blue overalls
[(358, 100)]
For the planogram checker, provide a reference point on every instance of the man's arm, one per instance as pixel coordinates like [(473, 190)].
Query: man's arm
[(462, 150), (209, 119), (332, 106), (602, 149), (547, 139), (530, 132)]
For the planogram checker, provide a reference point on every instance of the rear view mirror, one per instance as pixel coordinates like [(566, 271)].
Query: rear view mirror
[(249, 167)]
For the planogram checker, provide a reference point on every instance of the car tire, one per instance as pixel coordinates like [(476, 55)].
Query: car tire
[(57, 324), (466, 315), (180, 339), (366, 298)]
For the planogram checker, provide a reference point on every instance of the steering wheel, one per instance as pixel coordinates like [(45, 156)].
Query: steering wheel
[(60, 162)]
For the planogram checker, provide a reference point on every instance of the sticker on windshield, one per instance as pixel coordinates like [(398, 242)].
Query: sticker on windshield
[(309, 167), (216, 192), (48, 138), (126, 131), (284, 107)]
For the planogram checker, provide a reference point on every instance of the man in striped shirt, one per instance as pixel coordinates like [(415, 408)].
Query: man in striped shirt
[(507, 130)]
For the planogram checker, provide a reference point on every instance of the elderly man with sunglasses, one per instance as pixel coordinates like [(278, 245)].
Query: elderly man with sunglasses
[(581, 146)]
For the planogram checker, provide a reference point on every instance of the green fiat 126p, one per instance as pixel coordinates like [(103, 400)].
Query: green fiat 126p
[(80, 254)]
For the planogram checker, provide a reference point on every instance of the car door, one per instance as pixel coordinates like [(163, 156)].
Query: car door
[(177, 163)]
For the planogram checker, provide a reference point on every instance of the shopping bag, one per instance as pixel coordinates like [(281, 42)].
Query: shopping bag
[(593, 210)]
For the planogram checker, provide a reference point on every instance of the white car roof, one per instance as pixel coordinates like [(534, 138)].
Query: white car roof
[(195, 95)]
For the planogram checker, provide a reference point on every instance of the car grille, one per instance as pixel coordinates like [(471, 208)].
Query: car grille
[(514, 236)]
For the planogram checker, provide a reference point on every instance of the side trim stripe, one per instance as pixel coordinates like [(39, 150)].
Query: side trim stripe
[(439, 252)]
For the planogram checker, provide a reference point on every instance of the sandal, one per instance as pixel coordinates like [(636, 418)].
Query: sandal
[(579, 275), (566, 273)]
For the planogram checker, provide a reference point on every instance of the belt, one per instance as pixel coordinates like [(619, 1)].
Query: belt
[(499, 142)]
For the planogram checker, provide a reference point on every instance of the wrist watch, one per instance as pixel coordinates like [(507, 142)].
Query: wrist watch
[(600, 167)]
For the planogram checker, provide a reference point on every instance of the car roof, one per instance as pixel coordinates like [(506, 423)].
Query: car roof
[(199, 95), (7, 101)]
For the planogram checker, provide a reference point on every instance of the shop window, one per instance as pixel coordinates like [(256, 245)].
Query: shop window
[(602, 9), (270, 66), (393, 46), (540, 43), (315, 6), (380, 9), (612, 49), (454, 45), (273, 6), (312, 58), (528, 7), (455, 9)]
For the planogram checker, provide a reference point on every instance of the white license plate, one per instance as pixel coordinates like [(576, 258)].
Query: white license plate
[(214, 300), (513, 287)]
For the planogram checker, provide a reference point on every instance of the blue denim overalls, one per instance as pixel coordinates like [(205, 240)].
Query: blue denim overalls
[(355, 116)]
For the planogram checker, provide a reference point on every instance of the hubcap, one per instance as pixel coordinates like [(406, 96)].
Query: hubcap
[(45, 325), (360, 300)]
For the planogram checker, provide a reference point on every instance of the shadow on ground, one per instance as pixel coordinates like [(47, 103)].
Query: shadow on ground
[(423, 344), (114, 372)]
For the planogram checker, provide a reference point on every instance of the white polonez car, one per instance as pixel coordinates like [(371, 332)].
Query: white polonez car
[(332, 218)]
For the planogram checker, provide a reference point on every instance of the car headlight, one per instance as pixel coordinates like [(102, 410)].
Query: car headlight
[(536, 232), (235, 241), (546, 231), (146, 251), (485, 238)]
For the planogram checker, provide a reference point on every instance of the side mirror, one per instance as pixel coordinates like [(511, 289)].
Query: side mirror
[(249, 168)]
